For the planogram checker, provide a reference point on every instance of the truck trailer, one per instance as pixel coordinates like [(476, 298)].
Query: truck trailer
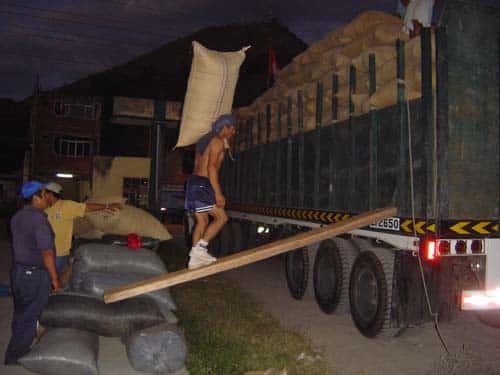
[(434, 157)]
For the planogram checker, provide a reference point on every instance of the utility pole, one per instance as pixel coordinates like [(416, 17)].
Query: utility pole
[(33, 123)]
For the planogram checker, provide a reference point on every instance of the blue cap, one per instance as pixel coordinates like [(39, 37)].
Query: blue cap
[(31, 187), (224, 120)]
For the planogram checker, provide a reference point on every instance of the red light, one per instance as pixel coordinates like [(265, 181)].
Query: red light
[(444, 247), (430, 251), (476, 247), (461, 247)]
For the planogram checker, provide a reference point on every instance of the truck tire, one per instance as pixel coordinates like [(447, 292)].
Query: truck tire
[(249, 235), (214, 246), (297, 272), (225, 241), (370, 292), (361, 244), (237, 233), (188, 229), (332, 267)]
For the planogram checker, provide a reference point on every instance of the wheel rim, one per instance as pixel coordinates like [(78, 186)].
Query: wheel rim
[(366, 295)]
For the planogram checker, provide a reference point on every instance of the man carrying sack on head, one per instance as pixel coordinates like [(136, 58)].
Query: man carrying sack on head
[(203, 192)]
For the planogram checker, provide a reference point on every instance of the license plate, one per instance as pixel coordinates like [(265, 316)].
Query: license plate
[(391, 223)]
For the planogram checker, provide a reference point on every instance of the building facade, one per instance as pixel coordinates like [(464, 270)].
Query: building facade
[(66, 136)]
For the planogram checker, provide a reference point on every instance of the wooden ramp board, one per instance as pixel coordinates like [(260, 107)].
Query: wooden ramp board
[(248, 256)]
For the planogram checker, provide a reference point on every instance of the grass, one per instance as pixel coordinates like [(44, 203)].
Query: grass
[(228, 333)]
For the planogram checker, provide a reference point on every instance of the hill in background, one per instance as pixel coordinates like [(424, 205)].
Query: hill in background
[(163, 73)]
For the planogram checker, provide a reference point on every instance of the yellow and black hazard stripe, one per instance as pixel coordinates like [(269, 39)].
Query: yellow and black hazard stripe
[(451, 228)]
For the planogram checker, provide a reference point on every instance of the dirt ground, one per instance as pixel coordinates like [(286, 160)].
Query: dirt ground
[(475, 348)]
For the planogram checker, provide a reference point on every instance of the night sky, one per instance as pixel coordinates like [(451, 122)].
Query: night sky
[(62, 41)]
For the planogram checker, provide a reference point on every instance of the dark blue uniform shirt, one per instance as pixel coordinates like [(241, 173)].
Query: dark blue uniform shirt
[(31, 234)]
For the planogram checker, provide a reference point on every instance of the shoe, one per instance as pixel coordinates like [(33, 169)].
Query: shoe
[(196, 262), (201, 253)]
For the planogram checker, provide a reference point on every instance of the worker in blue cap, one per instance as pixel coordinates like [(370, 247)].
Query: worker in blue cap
[(204, 195), (33, 270)]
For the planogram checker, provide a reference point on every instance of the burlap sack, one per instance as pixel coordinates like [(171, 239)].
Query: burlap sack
[(210, 91), (128, 220), (359, 25), (387, 95), (108, 199)]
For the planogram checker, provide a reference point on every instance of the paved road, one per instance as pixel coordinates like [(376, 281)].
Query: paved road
[(416, 352)]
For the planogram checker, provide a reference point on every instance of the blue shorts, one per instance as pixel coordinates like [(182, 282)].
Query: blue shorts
[(200, 196)]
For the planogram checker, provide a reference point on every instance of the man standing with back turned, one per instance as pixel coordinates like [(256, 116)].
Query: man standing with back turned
[(34, 268), (203, 193)]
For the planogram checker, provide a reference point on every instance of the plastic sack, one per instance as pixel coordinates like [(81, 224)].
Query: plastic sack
[(210, 91), (157, 350), (72, 310), (120, 259), (63, 351), (95, 283)]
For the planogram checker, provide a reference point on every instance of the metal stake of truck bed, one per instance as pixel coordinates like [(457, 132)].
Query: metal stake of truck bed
[(248, 256)]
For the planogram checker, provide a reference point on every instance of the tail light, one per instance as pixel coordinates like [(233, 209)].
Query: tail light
[(461, 247), (429, 250), (476, 247), (444, 247)]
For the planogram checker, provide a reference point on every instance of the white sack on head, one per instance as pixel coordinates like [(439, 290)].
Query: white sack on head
[(210, 91)]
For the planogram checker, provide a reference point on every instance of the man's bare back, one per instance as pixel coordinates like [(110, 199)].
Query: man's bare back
[(208, 165), (214, 152)]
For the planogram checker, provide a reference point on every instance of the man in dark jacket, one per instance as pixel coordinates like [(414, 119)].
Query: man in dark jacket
[(34, 268)]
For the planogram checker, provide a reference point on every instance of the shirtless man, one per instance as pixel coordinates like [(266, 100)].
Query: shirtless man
[(203, 193)]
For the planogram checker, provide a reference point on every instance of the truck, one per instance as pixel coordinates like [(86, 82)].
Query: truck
[(435, 157)]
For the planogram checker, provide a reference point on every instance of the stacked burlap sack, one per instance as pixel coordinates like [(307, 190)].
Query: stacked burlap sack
[(146, 324), (371, 32), (129, 219)]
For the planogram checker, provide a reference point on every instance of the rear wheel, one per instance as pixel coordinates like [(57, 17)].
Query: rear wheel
[(249, 235), (188, 225), (332, 267), (370, 292), (237, 234), (225, 241), (297, 272)]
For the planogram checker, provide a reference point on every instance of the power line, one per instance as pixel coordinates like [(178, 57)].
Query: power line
[(150, 9), (78, 39), (57, 61), (74, 14), (81, 22)]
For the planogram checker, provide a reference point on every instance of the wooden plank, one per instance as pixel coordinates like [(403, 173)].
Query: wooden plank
[(249, 256)]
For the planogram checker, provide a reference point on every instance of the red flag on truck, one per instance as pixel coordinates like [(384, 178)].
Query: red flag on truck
[(272, 68)]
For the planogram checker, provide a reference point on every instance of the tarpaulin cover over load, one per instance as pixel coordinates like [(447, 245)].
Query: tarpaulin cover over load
[(210, 91)]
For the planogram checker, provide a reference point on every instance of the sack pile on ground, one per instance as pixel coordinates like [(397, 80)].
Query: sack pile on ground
[(371, 32), (63, 351), (79, 315)]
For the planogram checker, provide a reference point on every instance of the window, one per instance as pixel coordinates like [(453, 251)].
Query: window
[(73, 147), (77, 111), (135, 190)]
